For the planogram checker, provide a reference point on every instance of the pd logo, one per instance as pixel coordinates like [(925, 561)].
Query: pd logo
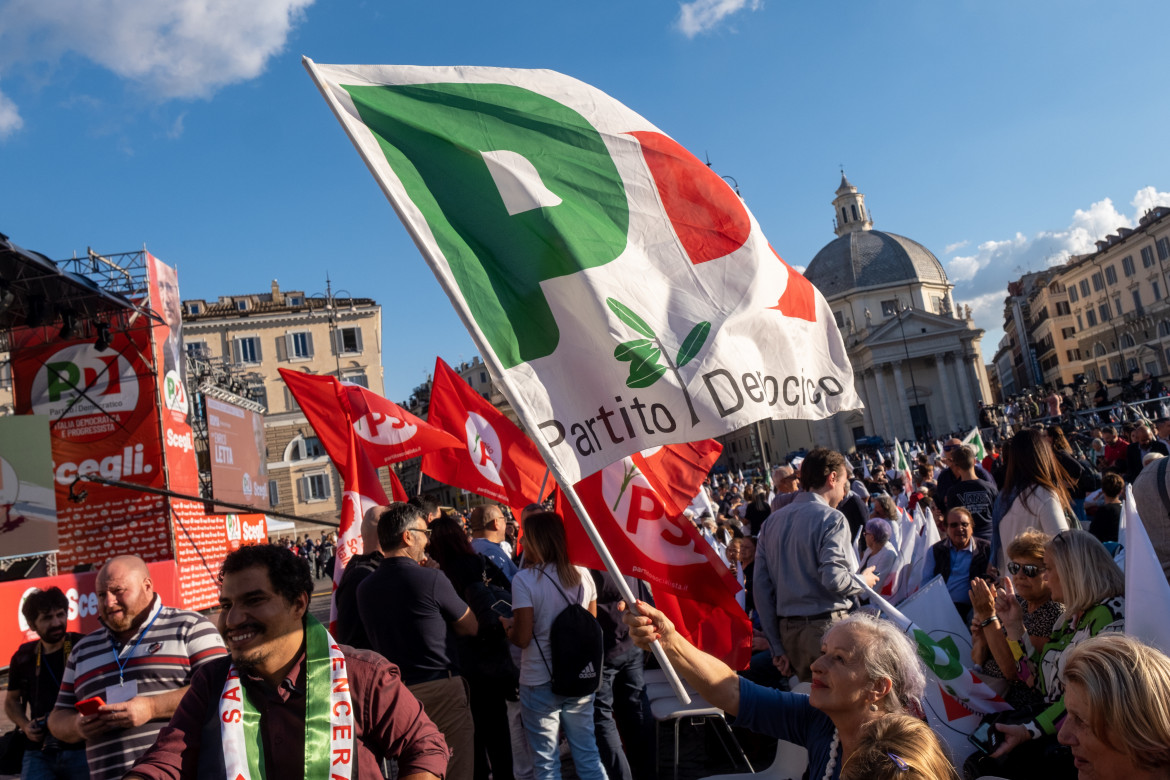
[(234, 532), (79, 382), (484, 445), (174, 394), (640, 513), (384, 429)]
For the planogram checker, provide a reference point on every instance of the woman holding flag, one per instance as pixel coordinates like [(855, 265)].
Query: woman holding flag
[(868, 669)]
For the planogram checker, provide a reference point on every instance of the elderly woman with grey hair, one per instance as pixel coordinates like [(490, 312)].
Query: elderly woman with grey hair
[(868, 669), (879, 552)]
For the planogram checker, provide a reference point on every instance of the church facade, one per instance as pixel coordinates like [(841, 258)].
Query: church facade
[(916, 358)]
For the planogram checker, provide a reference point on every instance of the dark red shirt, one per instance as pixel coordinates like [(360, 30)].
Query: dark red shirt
[(390, 722)]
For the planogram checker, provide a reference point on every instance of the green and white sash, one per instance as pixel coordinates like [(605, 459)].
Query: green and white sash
[(329, 718)]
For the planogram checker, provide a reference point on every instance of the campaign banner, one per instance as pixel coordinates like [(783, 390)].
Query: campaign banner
[(81, 592), (28, 505), (202, 541), (235, 439), (170, 360), (103, 420)]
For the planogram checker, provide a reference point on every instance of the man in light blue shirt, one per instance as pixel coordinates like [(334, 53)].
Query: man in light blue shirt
[(489, 527), (958, 558), (803, 576)]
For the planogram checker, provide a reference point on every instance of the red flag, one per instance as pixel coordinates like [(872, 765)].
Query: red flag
[(387, 432), (499, 461), (652, 541)]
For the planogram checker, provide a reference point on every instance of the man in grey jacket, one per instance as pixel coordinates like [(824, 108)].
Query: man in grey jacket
[(803, 574)]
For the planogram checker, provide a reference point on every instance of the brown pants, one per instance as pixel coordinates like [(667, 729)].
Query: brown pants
[(802, 642), (447, 703)]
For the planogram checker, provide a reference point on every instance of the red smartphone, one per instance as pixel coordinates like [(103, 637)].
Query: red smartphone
[(90, 706)]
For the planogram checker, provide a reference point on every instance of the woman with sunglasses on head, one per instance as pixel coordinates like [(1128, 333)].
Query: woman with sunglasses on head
[(1039, 611), (1083, 576)]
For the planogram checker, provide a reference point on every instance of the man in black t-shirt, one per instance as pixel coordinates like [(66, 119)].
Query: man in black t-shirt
[(34, 677), (970, 492), (411, 613)]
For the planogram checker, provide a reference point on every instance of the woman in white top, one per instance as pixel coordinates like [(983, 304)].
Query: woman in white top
[(540, 591), (1033, 496)]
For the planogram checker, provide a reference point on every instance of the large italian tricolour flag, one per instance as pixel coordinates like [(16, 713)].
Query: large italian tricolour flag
[(621, 293)]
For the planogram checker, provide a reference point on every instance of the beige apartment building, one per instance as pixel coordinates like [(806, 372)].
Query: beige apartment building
[(1103, 315), (257, 334)]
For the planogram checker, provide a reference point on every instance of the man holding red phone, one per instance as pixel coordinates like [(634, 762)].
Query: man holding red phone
[(135, 669)]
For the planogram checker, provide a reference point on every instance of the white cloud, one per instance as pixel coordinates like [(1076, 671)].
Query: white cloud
[(172, 48), (955, 247), (10, 120), (700, 16)]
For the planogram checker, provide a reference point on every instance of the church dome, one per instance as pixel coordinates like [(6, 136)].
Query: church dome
[(872, 258)]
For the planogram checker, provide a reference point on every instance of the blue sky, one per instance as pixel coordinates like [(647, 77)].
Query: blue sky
[(1002, 135)]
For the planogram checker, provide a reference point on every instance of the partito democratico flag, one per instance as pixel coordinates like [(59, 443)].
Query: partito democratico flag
[(619, 289)]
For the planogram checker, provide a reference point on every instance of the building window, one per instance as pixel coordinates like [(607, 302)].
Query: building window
[(1072, 294), (1131, 364), (1117, 305), (258, 393), (1098, 282), (349, 341), (295, 300), (1127, 265), (290, 401), (1126, 341), (314, 487), (1103, 310), (1062, 309), (844, 216), (300, 345), (938, 304), (1115, 369), (246, 350), (853, 208), (483, 377), (1080, 324), (312, 447), (1091, 317), (273, 493), (194, 308), (1147, 256), (1084, 288), (1163, 248), (356, 378), (198, 349), (839, 319), (241, 305), (1111, 275), (1164, 328), (1137, 301), (889, 308), (1157, 291)]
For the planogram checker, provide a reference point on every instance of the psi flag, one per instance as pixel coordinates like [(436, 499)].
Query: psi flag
[(619, 289), (635, 505), (494, 457)]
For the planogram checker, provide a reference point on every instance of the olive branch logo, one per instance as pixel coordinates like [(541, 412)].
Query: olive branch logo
[(645, 354)]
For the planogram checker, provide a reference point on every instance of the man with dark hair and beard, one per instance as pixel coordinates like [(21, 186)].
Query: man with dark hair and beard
[(34, 677), (290, 701), (137, 665)]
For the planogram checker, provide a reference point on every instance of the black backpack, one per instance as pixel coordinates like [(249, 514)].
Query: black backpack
[(576, 646)]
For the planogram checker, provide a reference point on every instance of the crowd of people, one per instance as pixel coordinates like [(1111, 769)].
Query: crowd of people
[(448, 651)]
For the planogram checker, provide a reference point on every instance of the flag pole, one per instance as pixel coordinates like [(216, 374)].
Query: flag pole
[(543, 482)]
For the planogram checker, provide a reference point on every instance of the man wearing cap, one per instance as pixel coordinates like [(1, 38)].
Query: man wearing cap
[(489, 528)]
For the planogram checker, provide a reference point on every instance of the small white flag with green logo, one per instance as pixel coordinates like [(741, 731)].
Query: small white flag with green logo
[(620, 291), (976, 441)]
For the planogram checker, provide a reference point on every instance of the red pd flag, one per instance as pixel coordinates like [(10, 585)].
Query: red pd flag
[(495, 459), (649, 539)]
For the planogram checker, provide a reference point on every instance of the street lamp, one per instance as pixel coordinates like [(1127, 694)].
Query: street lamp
[(331, 312), (909, 363)]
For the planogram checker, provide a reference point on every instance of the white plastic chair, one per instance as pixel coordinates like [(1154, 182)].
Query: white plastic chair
[(669, 709), (790, 763)]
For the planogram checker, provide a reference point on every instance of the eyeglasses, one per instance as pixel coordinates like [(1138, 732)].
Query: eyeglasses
[(425, 531), (1030, 570)]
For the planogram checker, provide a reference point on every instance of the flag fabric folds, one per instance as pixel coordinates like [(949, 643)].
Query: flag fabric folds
[(976, 441), (956, 697), (1145, 582), (635, 505), (622, 294), (494, 458)]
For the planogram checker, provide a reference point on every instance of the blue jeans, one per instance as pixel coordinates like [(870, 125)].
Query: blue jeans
[(54, 765), (544, 713)]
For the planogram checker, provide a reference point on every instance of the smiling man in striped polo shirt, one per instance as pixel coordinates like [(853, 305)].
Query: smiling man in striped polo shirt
[(140, 663)]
